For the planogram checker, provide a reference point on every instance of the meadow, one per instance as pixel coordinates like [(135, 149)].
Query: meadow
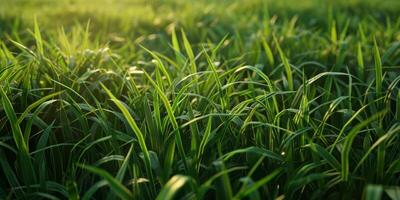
[(200, 99)]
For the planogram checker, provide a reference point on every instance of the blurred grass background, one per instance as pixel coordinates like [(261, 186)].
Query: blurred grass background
[(137, 17), (150, 22)]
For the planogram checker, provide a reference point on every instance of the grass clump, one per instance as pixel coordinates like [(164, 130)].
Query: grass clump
[(282, 102)]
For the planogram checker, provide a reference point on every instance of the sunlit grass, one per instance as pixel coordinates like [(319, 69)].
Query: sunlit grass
[(199, 100)]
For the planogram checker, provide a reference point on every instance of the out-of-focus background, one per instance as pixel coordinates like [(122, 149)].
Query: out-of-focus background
[(150, 22), (137, 17)]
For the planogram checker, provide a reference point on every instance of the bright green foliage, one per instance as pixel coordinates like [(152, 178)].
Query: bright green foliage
[(179, 99)]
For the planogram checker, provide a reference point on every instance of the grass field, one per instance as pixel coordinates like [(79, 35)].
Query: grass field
[(200, 99)]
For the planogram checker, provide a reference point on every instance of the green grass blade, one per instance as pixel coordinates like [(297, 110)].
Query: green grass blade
[(255, 150), (35, 104), (378, 70), (138, 133), (172, 119), (204, 140), (286, 64), (323, 153), (160, 65), (12, 117), (398, 106), (172, 187), (373, 192), (268, 52), (360, 61), (189, 52), (10, 175), (120, 190), (38, 38), (260, 183), (345, 155)]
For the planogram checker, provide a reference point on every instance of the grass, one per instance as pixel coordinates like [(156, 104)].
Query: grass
[(199, 99)]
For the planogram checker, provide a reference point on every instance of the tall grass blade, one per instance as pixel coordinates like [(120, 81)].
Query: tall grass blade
[(120, 190), (138, 133), (286, 64)]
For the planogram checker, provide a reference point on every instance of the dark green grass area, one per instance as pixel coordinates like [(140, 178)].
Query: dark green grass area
[(184, 99)]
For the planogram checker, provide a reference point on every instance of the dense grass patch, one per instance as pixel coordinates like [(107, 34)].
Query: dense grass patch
[(199, 99)]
